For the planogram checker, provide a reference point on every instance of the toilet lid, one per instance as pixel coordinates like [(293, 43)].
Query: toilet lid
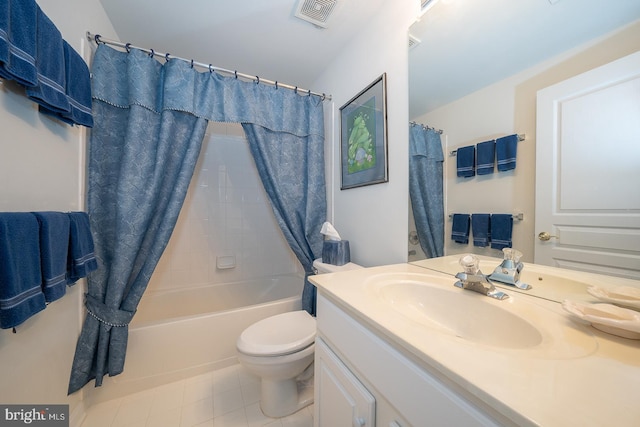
[(278, 335)]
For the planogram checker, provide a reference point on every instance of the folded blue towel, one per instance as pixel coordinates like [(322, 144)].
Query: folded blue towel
[(466, 161), (78, 87), (82, 259), (50, 91), (506, 151), (486, 157), (481, 228), (20, 279), (501, 230), (18, 24), (54, 249), (460, 228)]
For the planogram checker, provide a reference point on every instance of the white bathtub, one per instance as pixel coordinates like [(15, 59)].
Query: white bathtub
[(179, 334)]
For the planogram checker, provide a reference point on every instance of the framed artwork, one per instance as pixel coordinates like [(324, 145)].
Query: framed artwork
[(363, 137)]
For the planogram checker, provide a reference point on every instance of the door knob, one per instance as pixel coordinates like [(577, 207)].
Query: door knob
[(544, 236)]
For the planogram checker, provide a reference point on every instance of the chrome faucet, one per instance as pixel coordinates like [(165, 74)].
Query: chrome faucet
[(473, 279), (508, 272)]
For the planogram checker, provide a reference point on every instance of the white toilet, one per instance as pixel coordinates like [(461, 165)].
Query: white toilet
[(280, 350)]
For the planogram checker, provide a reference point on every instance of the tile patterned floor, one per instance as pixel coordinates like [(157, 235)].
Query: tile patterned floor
[(225, 398)]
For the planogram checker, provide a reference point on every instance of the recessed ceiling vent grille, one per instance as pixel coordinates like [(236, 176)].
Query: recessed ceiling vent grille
[(315, 11)]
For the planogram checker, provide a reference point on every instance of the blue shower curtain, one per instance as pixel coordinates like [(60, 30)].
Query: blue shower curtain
[(150, 119), (426, 188), (292, 171)]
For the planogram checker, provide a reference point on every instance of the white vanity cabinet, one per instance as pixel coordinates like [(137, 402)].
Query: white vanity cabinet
[(361, 380)]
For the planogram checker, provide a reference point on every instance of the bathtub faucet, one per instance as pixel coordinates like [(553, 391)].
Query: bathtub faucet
[(472, 279)]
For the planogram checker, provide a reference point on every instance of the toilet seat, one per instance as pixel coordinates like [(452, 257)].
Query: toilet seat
[(278, 335)]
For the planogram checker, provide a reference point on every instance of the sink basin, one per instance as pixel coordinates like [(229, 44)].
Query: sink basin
[(432, 303), (472, 317)]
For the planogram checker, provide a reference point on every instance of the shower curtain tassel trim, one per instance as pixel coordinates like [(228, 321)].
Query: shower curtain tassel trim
[(114, 325), (98, 39)]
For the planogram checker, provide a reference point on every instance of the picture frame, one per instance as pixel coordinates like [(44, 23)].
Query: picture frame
[(363, 137)]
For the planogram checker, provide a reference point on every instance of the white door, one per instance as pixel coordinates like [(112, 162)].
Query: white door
[(588, 171)]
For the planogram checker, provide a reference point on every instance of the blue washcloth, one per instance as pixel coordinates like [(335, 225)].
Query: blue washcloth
[(54, 249), (460, 228), (486, 157), (466, 161), (501, 230), (78, 86), (82, 259), (50, 91), (481, 228), (20, 279), (18, 24), (506, 150)]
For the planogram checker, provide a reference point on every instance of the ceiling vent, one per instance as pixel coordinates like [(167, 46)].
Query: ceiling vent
[(315, 11)]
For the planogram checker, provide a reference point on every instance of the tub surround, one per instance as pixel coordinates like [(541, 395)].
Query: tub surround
[(575, 376)]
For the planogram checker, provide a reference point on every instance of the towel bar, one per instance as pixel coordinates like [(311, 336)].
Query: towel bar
[(521, 137), (519, 216)]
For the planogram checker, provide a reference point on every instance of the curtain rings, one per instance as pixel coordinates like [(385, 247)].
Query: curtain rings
[(166, 57), (210, 68), (236, 73), (128, 47), (97, 38), (257, 80), (309, 92), (192, 63), (152, 53), (276, 85)]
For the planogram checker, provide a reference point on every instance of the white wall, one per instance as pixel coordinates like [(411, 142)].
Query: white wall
[(42, 168), (504, 108), (373, 218)]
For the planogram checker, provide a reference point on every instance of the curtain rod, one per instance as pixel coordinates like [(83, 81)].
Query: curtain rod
[(97, 38), (440, 131)]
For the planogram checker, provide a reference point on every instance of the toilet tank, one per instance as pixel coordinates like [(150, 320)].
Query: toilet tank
[(323, 268)]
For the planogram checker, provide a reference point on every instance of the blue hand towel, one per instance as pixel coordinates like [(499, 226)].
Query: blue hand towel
[(486, 157), (82, 259), (466, 161), (18, 24), (460, 228), (481, 228), (506, 150), (54, 249), (50, 91), (20, 279), (78, 87), (501, 230)]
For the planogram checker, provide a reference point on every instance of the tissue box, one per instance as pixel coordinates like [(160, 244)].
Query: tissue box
[(336, 252)]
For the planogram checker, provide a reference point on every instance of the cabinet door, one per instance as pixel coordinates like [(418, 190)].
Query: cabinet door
[(341, 399)]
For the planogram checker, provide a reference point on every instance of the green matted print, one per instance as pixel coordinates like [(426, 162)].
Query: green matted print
[(363, 137)]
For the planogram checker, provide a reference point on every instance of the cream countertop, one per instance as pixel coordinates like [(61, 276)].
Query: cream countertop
[(584, 377)]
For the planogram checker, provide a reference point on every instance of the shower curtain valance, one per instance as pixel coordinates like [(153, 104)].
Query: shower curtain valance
[(214, 97)]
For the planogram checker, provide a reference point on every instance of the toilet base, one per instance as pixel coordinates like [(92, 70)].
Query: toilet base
[(281, 398)]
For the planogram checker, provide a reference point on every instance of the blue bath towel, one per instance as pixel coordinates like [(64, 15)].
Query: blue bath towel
[(54, 249), (50, 91), (20, 279), (78, 87), (18, 24), (81, 260), (501, 230), (466, 161), (481, 228), (460, 228), (486, 156), (506, 151)]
